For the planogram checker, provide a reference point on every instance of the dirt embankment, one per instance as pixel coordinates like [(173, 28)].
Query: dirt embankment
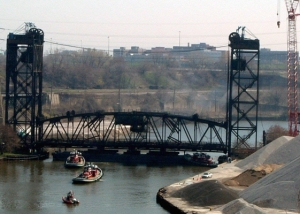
[(250, 176)]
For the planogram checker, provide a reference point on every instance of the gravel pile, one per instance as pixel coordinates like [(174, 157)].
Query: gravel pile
[(240, 206), (272, 153), (281, 188), (206, 193), (272, 177)]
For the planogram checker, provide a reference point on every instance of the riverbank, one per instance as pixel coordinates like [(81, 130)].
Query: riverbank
[(177, 204), (197, 195), (11, 156), (266, 182)]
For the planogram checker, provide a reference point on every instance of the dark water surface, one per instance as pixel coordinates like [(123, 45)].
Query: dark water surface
[(37, 187)]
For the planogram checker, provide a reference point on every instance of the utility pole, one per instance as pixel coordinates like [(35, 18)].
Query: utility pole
[(119, 99), (108, 45), (173, 99), (1, 107)]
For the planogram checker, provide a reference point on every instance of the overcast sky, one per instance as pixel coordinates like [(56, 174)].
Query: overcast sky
[(110, 24)]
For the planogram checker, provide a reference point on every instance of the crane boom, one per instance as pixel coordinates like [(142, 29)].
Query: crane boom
[(292, 67)]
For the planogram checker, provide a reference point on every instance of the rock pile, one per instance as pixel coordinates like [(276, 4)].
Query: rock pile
[(240, 206), (206, 193), (270, 154), (270, 180), (281, 188)]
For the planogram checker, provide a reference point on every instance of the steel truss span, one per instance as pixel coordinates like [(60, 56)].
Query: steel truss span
[(132, 130)]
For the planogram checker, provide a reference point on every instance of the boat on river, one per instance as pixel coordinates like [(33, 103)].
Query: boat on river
[(91, 173), (200, 159), (75, 159), (69, 199)]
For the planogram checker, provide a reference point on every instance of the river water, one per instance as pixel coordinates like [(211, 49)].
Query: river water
[(38, 186), (264, 126)]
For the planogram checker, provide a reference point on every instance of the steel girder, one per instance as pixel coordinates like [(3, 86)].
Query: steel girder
[(140, 130)]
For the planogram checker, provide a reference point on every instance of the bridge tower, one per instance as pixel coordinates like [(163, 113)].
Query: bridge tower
[(243, 90), (23, 99)]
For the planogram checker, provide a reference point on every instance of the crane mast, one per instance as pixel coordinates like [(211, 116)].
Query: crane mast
[(292, 67)]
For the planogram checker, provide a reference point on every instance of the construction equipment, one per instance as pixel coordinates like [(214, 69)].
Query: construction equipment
[(292, 65)]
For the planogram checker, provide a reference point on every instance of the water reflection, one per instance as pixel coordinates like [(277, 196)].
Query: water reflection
[(38, 186)]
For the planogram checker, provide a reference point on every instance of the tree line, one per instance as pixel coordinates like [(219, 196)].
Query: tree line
[(93, 69)]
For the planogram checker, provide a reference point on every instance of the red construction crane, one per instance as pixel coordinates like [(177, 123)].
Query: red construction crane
[(292, 65)]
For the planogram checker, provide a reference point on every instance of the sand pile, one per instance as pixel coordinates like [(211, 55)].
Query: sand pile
[(240, 206), (250, 176), (271, 180), (270, 154), (206, 193), (279, 189), (273, 175)]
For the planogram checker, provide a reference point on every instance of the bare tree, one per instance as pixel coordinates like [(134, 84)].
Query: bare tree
[(10, 142), (275, 132)]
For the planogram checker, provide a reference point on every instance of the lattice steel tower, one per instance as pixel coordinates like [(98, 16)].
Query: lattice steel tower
[(243, 90), (292, 67), (23, 101)]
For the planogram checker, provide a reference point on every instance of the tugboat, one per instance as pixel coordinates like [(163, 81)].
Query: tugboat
[(75, 160), (200, 159), (91, 173)]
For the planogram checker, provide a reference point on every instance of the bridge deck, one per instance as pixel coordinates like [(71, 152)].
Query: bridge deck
[(132, 130)]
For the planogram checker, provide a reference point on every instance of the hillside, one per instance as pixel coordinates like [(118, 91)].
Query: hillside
[(97, 82)]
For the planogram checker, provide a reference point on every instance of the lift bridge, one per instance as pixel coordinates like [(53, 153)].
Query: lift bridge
[(133, 130), (129, 130)]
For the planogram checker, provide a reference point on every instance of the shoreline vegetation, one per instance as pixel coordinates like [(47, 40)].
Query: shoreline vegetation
[(208, 104), (21, 156)]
